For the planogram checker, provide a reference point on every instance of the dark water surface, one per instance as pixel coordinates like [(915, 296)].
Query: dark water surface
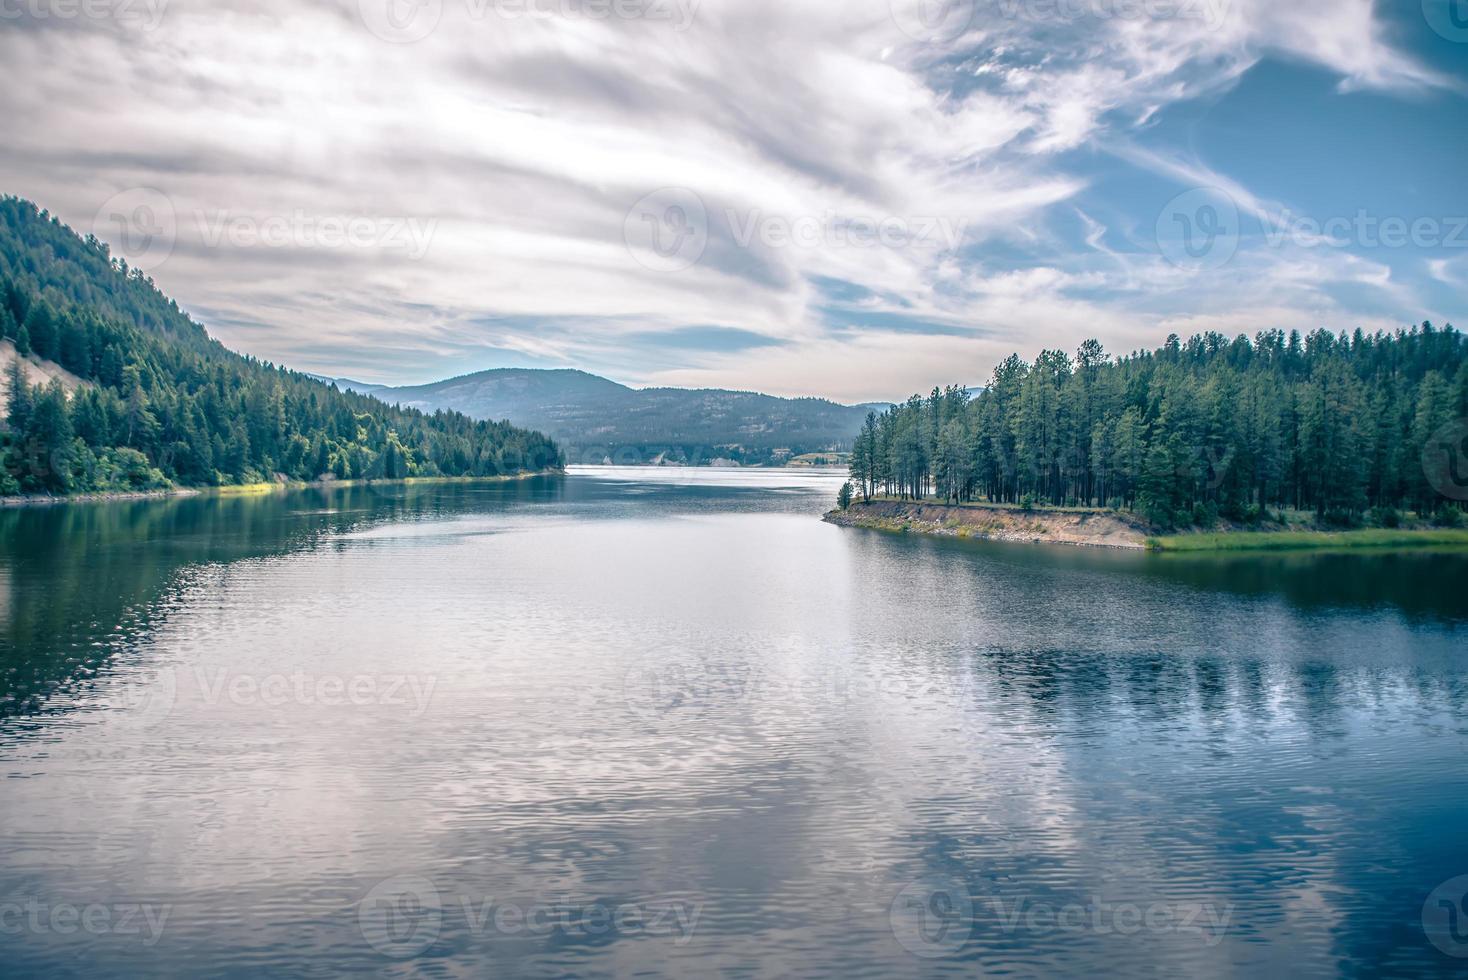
[(662, 723)]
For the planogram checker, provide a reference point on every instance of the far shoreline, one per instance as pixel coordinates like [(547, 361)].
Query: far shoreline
[(256, 489)]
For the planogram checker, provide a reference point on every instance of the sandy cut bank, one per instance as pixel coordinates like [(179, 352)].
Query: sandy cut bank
[(1097, 529)]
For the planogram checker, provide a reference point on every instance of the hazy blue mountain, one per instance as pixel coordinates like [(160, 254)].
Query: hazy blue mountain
[(347, 384), (595, 419)]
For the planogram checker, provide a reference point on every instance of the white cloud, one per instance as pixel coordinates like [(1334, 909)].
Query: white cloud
[(525, 140)]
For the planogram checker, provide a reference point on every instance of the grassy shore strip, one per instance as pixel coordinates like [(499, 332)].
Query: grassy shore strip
[(251, 489), (1309, 540), (254, 489)]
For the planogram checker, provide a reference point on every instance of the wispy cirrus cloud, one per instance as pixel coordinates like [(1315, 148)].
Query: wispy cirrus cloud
[(956, 177)]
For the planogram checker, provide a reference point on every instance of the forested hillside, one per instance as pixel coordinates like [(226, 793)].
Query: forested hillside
[(1332, 423), (163, 403), (596, 419)]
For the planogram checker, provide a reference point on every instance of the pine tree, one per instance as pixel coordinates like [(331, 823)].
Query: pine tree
[(48, 441), (18, 391), (40, 324), (1197, 429)]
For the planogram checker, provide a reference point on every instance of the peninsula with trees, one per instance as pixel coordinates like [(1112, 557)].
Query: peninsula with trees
[(1282, 440)]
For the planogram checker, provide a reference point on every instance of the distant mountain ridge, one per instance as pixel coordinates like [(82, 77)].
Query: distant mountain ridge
[(347, 384), (596, 419)]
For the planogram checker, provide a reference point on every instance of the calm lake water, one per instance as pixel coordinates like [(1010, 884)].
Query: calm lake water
[(669, 723)]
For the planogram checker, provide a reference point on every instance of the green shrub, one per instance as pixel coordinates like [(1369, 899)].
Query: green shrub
[(1205, 515), (1158, 513), (1385, 517), (127, 469), (1451, 516)]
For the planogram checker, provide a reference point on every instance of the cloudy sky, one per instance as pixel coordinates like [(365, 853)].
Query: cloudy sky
[(854, 199)]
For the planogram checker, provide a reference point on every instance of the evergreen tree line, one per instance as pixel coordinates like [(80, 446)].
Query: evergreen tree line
[(163, 403), (1334, 424)]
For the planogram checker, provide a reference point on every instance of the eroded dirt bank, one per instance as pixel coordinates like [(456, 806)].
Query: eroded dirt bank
[(1097, 529)]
